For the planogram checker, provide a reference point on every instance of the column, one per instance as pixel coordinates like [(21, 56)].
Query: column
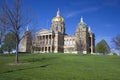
[(48, 40), (40, 40), (51, 44), (47, 43), (91, 44), (44, 43)]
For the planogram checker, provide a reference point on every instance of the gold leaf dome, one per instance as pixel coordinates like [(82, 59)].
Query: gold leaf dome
[(58, 17)]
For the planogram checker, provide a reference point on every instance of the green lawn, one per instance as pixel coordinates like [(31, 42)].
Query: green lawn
[(60, 67)]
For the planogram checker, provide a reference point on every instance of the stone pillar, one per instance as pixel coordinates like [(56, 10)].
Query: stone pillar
[(41, 42), (45, 40), (48, 40), (51, 45), (47, 43), (91, 44), (44, 43)]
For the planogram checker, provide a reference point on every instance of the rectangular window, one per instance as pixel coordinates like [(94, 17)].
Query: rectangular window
[(70, 42), (73, 42), (64, 42)]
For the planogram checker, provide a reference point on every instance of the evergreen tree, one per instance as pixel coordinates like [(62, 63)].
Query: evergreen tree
[(9, 42), (103, 47)]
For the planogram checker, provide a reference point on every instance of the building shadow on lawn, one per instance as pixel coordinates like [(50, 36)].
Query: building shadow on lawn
[(29, 61), (40, 59), (10, 71)]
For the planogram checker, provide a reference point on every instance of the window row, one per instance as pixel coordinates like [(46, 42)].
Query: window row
[(47, 42), (69, 42)]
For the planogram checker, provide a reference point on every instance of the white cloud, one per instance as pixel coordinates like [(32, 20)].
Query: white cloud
[(85, 10), (95, 6)]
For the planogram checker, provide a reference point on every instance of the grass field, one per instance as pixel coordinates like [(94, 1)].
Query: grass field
[(60, 67)]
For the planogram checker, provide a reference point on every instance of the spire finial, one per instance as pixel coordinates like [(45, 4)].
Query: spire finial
[(27, 29), (89, 29), (81, 20), (58, 12)]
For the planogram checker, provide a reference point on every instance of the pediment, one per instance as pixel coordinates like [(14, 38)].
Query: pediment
[(43, 31)]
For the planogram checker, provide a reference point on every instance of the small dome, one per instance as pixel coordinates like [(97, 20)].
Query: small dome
[(82, 23), (90, 31)]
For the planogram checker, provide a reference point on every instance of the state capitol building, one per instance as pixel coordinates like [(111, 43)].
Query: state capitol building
[(56, 40)]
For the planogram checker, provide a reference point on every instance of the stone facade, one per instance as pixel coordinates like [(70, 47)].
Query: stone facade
[(85, 38), (26, 42), (55, 40)]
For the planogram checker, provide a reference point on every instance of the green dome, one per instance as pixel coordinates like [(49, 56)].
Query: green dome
[(82, 23)]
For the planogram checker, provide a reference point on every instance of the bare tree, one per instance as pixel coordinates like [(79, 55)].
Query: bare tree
[(14, 19), (80, 46), (1, 35), (116, 41)]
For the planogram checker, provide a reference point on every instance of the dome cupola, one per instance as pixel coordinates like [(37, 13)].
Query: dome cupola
[(58, 18), (82, 23)]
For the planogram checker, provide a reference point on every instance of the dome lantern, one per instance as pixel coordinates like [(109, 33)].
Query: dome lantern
[(58, 18)]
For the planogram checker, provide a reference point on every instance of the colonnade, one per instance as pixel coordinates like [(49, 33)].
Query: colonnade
[(44, 43)]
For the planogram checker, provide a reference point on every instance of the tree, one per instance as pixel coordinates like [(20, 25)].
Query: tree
[(103, 47), (1, 50), (9, 42), (14, 19), (116, 41), (79, 46), (2, 33)]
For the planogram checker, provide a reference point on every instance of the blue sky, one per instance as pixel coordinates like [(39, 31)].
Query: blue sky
[(103, 16)]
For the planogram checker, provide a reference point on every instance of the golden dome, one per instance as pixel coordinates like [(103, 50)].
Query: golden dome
[(58, 17)]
